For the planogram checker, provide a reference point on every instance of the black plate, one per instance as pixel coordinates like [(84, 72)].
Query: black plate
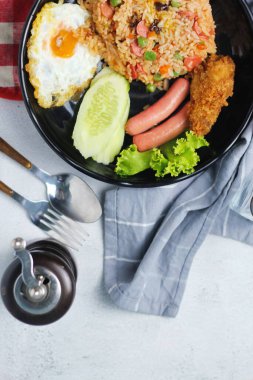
[(234, 37)]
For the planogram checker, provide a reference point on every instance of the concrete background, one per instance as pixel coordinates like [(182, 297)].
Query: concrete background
[(211, 338)]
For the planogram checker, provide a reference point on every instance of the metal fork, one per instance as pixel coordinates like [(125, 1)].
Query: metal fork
[(50, 220)]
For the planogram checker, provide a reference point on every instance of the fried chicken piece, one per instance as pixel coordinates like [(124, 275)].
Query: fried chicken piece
[(212, 83)]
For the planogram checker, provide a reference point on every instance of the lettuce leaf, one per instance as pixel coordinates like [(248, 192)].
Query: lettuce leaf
[(158, 162), (131, 162), (173, 158), (181, 154)]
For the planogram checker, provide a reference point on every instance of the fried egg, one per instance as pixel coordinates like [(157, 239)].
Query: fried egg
[(59, 65)]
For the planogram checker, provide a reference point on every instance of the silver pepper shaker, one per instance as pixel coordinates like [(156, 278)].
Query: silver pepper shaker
[(38, 287)]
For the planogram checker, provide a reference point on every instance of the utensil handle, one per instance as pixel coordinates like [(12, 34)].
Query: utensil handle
[(12, 153), (6, 189), (14, 195)]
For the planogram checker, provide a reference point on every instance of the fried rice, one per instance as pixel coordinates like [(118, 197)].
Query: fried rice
[(178, 34)]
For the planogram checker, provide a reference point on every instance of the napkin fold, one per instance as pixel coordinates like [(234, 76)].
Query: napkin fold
[(152, 235), (12, 17)]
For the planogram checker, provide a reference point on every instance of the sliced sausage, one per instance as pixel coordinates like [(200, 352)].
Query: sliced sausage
[(136, 49), (159, 111), (106, 10), (142, 29), (188, 14), (164, 132), (192, 62)]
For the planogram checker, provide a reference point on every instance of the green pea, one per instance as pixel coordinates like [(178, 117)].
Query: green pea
[(115, 3), (175, 4), (150, 56), (157, 77), (150, 87), (178, 56), (175, 74), (142, 41)]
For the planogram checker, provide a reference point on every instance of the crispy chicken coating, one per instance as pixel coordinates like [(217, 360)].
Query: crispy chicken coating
[(212, 83)]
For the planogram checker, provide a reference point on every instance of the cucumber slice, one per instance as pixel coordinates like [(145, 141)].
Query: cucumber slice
[(113, 147), (106, 70), (101, 116)]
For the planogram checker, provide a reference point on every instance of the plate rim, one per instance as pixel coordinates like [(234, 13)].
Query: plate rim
[(97, 176)]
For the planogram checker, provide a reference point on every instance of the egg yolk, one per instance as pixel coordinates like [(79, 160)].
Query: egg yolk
[(63, 43)]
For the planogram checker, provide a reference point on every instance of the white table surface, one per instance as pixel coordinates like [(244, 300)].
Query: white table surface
[(210, 339)]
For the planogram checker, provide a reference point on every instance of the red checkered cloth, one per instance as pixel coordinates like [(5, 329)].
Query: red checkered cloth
[(12, 16)]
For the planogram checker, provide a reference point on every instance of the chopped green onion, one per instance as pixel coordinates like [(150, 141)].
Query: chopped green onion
[(175, 4), (142, 41), (150, 56), (115, 3), (157, 77), (175, 73), (150, 87), (178, 56)]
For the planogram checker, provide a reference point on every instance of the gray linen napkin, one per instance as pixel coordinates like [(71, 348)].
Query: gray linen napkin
[(152, 235)]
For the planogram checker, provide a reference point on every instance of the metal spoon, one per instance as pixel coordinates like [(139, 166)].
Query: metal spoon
[(66, 192)]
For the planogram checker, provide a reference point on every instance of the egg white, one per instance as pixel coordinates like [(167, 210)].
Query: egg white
[(54, 78)]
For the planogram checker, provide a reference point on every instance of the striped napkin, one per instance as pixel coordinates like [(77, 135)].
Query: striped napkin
[(12, 16), (152, 235)]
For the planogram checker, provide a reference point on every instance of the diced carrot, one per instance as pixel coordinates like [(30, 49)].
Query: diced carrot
[(201, 46), (131, 36), (152, 34), (156, 48), (164, 69)]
